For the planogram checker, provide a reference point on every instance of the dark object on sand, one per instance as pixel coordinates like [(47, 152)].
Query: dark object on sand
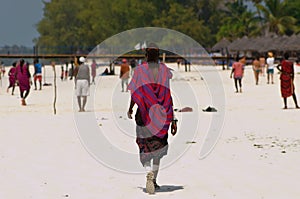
[(209, 109), (47, 84), (185, 109)]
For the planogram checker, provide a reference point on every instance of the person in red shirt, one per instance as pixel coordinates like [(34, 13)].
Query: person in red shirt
[(238, 73)]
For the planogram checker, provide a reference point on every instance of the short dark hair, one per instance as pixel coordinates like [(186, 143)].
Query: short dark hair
[(286, 55)]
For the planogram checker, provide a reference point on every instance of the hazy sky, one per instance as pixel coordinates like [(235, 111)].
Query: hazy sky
[(18, 19)]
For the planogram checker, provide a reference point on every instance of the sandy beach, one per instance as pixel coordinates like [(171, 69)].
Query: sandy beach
[(47, 156)]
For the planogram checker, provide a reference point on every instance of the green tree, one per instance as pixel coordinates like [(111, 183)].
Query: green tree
[(277, 18), (183, 19), (239, 22)]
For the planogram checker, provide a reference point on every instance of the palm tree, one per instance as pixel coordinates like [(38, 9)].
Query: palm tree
[(276, 18), (239, 22)]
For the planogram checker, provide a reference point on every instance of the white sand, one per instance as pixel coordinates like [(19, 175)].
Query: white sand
[(257, 156)]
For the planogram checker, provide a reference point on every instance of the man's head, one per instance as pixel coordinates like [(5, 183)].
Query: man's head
[(152, 52), (81, 60)]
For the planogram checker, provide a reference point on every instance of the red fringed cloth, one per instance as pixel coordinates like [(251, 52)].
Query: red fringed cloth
[(286, 83), (153, 98)]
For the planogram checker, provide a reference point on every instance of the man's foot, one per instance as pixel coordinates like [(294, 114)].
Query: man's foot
[(150, 188), (272, 82), (156, 186), (297, 107), (35, 89), (285, 107), (23, 103), (240, 90)]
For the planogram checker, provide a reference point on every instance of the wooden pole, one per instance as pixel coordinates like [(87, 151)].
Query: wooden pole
[(55, 90)]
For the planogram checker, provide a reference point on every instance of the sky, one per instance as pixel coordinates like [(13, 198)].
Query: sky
[(18, 19)]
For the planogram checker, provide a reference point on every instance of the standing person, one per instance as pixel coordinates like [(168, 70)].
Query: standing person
[(82, 83), (270, 67), (286, 68), (12, 78), (150, 90), (124, 74), (238, 73), (67, 71), (71, 70), (23, 77), (37, 76), (256, 69), (262, 62), (132, 65), (93, 67)]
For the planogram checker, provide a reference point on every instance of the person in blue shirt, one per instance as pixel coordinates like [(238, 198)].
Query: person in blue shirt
[(37, 73)]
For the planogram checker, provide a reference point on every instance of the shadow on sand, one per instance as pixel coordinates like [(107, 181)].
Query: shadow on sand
[(165, 188)]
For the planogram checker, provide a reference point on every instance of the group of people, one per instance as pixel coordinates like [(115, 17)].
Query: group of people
[(19, 75), (285, 67)]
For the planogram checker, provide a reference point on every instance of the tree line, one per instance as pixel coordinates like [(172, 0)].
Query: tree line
[(71, 25)]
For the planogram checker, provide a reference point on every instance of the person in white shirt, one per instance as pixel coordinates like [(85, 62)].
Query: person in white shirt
[(270, 67)]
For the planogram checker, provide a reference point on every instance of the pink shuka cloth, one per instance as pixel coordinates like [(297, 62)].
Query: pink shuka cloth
[(23, 77), (153, 98)]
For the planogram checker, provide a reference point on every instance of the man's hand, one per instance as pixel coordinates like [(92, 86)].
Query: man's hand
[(129, 113), (174, 128)]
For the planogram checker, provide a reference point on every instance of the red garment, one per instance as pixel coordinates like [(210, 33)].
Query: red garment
[(286, 77), (238, 70), (23, 76), (12, 76), (153, 98)]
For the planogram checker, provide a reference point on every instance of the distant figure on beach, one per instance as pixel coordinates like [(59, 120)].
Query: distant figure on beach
[(124, 74), (132, 65), (66, 71), (2, 68), (93, 68), (71, 71), (238, 73), (256, 69), (178, 63), (270, 68), (23, 77), (82, 83), (37, 76), (262, 62), (286, 69), (12, 78), (62, 72), (150, 90)]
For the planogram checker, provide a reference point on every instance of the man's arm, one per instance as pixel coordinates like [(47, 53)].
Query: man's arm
[(129, 113)]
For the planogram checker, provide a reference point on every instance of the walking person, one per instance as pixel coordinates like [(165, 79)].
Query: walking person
[(124, 74), (12, 78), (238, 73), (270, 68), (37, 76), (23, 77), (150, 90), (262, 62), (93, 68), (256, 69), (82, 83), (287, 87)]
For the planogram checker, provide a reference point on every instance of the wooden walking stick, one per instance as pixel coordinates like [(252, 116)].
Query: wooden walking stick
[(55, 90)]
